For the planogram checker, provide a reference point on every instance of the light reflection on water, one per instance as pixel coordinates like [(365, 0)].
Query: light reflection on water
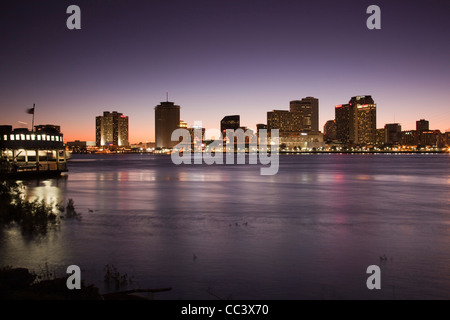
[(308, 232)]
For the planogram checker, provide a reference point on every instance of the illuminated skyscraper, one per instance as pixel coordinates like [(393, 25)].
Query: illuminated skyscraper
[(230, 122), (344, 119), (356, 121), (111, 130), (167, 119), (284, 121), (309, 111)]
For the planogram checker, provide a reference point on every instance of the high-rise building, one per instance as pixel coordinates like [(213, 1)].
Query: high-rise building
[(285, 121), (167, 119), (329, 130), (365, 128), (392, 133), (356, 121), (422, 125), (111, 130), (309, 112), (343, 119), (230, 122), (432, 138), (380, 136), (410, 138)]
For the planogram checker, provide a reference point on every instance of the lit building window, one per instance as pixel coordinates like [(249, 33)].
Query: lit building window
[(53, 138), (27, 137), (33, 137), (11, 137), (5, 137), (39, 137), (17, 136), (22, 137), (48, 138)]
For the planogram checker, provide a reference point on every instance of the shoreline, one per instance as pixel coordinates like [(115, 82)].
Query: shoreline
[(284, 152)]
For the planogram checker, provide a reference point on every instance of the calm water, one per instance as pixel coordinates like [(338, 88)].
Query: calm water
[(309, 232)]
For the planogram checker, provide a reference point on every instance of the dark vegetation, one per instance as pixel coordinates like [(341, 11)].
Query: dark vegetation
[(32, 217), (21, 284), (36, 218)]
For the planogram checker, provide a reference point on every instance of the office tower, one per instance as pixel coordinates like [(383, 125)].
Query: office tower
[(329, 130), (432, 138), (230, 122), (356, 121), (285, 121), (309, 109), (343, 118), (367, 124), (111, 130), (364, 126), (380, 136), (167, 119), (422, 125), (392, 133), (410, 138)]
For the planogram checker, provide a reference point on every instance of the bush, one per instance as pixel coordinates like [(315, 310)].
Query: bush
[(33, 217)]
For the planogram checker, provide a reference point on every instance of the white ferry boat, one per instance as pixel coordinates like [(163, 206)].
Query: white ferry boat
[(27, 153)]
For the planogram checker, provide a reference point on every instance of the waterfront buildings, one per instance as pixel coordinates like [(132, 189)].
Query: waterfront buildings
[(167, 119), (309, 112), (329, 131), (343, 121), (230, 122), (111, 130), (379, 136), (392, 133), (422, 125), (356, 121), (298, 126)]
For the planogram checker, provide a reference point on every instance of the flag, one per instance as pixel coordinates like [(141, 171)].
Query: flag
[(30, 111)]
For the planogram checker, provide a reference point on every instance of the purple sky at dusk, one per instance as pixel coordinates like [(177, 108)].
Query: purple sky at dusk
[(219, 58)]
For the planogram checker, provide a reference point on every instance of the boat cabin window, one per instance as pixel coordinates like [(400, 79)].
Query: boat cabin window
[(39, 137), (5, 137), (17, 136), (27, 137), (11, 137), (33, 137)]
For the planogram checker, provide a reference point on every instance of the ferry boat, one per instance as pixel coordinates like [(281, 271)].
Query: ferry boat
[(27, 153)]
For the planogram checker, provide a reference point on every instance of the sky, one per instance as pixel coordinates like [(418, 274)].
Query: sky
[(218, 58)]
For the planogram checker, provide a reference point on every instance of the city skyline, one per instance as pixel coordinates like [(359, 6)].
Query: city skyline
[(217, 59)]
